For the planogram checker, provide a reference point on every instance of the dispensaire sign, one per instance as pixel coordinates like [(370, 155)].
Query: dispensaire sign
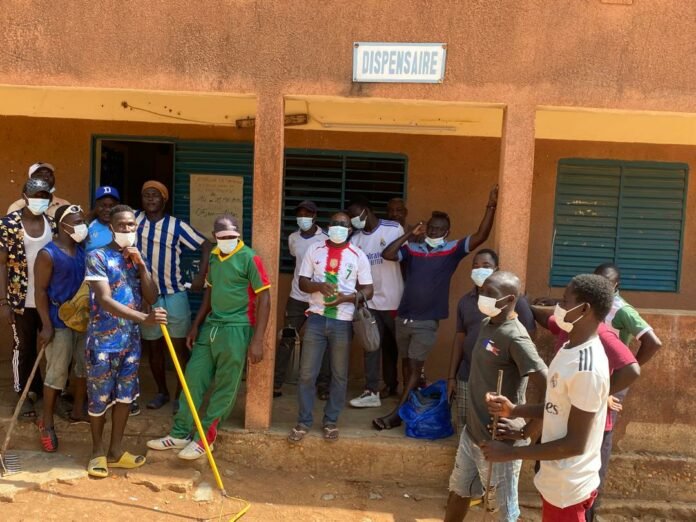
[(399, 62)]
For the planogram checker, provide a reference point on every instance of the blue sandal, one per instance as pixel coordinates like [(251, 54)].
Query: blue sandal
[(160, 400)]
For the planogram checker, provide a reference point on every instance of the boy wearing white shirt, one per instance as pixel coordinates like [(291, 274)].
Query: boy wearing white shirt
[(371, 236), (574, 410), (298, 301)]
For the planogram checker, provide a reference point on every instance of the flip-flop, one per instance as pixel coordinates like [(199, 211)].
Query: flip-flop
[(27, 411), (381, 423), (330, 433), (128, 461), (98, 467)]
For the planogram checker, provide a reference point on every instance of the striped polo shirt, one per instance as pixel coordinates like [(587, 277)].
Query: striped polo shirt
[(160, 243)]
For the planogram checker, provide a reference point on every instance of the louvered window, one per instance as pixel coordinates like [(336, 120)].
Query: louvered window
[(331, 179), (629, 213)]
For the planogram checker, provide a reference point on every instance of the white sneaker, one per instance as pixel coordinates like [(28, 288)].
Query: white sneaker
[(167, 443), (368, 399), (193, 451)]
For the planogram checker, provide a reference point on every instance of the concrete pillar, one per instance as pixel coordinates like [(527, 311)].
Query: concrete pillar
[(515, 188), (268, 196)]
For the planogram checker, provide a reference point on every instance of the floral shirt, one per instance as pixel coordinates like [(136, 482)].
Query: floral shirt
[(12, 241), (107, 332)]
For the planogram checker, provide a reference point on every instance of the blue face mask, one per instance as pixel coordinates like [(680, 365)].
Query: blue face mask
[(338, 235), (37, 206), (305, 223), (479, 275)]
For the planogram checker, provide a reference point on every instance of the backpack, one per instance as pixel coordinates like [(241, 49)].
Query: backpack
[(75, 312)]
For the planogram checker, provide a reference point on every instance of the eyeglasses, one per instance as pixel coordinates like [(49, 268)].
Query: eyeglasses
[(72, 209)]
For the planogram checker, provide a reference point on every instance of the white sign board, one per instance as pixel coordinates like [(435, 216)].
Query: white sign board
[(212, 196), (399, 62)]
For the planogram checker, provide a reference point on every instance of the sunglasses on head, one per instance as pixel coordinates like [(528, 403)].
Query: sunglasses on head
[(72, 209)]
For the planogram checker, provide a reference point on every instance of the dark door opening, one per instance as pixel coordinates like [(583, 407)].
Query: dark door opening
[(126, 165)]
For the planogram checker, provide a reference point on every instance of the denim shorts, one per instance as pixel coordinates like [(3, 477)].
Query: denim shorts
[(66, 346), (415, 339), (112, 377), (470, 475), (178, 317)]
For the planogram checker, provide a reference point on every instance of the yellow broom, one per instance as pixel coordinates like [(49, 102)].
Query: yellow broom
[(199, 427)]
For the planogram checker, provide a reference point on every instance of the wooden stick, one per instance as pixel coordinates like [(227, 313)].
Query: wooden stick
[(499, 390)]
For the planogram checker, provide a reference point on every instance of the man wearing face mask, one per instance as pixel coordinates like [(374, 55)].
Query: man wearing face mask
[(336, 274), (371, 236), (469, 319), (58, 273), (44, 172), (503, 344), (234, 318), (105, 198), (430, 266), (574, 409), (161, 238), (298, 301), (120, 287), (22, 234)]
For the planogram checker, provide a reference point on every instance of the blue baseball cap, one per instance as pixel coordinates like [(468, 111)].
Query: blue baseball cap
[(107, 191)]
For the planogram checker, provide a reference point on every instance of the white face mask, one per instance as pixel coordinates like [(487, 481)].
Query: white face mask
[(479, 275), (357, 222), (338, 235), (79, 233), (560, 313), (434, 242), (486, 305), (124, 239), (37, 206), (227, 245), (305, 223)]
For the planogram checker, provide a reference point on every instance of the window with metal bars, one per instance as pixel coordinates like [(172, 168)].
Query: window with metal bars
[(331, 179), (628, 213)]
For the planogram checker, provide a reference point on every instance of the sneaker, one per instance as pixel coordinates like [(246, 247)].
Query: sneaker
[(168, 442), (134, 409), (49, 439), (368, 399), (194, 450)]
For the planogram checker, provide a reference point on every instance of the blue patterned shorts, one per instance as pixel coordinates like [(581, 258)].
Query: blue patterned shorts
[(112, 377)]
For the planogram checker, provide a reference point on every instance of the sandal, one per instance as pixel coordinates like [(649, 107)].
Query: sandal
[(128, 461), (330, 433), (160, 400), (386, 423), (98, 467), (298, 433), (27, 411), (49, 439)]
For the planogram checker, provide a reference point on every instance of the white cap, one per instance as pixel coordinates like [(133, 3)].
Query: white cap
[(41, 165)]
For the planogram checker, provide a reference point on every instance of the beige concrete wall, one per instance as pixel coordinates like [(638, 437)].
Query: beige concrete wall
[(546, 156), (573, 53)]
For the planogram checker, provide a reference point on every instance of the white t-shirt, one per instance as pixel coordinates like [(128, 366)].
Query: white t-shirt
[(389, 284), (32, 245), (298, 246), (346, 267), (577, 377)]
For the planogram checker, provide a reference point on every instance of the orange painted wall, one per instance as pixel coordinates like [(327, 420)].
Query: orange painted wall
[(546, 158)]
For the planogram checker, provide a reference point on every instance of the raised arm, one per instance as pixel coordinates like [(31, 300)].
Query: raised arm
[(43, 270), (542, 314), (484, 229), (148, 287), (391, 251)]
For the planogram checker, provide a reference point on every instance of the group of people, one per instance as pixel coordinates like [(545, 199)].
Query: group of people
[(130, 262), (403, 274)]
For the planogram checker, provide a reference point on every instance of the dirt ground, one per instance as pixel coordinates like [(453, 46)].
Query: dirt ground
[(274, 496)]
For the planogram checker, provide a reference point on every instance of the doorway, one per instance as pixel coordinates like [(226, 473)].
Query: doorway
[(126, 165)]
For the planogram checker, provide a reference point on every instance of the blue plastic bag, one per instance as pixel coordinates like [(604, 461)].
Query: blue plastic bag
[(427, 413)]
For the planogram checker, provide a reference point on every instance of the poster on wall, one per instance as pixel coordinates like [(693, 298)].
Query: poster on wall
[(213, 195)]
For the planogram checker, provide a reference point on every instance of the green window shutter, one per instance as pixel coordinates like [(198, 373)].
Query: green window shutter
[(215, 158), (627, 213), (331, 179)]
